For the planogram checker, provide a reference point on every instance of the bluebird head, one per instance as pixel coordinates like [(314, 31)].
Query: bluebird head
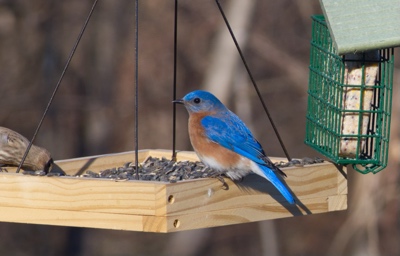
[(200, 101)]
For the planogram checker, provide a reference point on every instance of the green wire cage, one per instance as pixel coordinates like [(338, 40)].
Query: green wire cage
[(349, 102)]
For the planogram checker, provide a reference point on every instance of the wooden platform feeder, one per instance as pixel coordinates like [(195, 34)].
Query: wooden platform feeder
[(160, 206)]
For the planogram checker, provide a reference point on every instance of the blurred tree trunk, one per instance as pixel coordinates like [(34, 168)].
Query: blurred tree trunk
[(224, 56), (189, 243), (219, 75), (269, 239)]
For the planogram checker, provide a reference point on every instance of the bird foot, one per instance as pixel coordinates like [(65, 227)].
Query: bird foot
[(225, 186), (214, 174)]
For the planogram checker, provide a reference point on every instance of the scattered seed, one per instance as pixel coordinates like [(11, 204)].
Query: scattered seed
[(156, 169), (299, 162)]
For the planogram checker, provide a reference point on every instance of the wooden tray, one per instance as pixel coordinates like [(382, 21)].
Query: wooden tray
[(159, 206)]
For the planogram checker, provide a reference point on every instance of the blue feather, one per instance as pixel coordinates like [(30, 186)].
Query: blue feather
[(233, 134)]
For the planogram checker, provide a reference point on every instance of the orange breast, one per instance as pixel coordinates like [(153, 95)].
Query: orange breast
[(206, 148)]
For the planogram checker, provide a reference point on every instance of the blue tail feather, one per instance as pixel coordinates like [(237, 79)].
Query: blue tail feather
[(274, 179)]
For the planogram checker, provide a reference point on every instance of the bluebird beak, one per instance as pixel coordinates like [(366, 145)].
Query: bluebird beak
[(179, 101)]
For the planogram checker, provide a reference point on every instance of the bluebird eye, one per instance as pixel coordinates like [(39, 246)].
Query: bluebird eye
[(196, 100)]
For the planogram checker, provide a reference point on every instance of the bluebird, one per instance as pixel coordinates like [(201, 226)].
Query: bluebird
[(224, 143)]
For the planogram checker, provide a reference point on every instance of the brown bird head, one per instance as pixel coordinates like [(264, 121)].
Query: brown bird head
[(38, 159)]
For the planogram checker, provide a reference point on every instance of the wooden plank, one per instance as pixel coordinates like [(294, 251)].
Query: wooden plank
[(337, 203), (97, 163), (361, 25), (72, 218), (160, 224), (250, 214), (79, 194), (78, 166)]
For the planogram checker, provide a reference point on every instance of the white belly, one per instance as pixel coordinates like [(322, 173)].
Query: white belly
[(235, 172)]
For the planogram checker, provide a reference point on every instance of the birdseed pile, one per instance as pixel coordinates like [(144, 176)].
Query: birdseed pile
[(165, 170), (156, 169)]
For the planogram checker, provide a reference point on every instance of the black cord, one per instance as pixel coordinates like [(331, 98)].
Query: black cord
[(58, 84), (252, 80), (137, 88), (174, 83)]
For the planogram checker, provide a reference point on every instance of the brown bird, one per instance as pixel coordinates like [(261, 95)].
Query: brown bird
[(12, 148)]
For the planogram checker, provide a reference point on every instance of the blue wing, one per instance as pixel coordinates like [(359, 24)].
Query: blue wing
[(231, 133)]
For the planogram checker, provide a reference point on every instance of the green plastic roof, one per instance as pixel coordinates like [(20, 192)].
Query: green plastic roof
[(361, 25)]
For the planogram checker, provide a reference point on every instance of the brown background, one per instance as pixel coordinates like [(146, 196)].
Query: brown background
[(93, 113)]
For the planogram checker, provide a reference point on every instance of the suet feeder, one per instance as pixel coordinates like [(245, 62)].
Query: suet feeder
[(349, 95)]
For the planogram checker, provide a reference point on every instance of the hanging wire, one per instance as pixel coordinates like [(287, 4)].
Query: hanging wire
[(58, 84), (174, 83), (137, 88), (253, 81)]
